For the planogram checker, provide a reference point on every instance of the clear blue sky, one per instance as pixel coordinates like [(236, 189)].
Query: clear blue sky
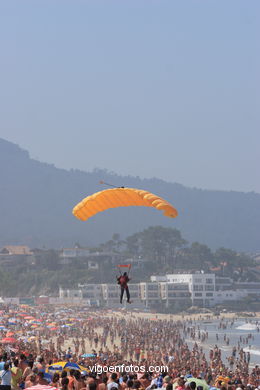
[(166, 89)]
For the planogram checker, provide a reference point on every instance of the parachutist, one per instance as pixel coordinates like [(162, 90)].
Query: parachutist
[(122, 280)]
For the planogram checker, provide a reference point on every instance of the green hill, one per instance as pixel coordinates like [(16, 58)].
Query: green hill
[(36, 200)]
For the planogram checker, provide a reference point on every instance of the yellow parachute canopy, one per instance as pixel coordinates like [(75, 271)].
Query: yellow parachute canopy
[(121, 197)]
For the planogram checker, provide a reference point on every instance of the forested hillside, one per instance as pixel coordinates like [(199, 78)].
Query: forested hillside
[(36, 200)]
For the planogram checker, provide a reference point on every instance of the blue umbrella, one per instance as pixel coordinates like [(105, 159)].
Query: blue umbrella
[(88, 355), (48, 377)]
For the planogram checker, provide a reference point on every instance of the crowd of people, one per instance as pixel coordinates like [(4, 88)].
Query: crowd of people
[(34, 339)]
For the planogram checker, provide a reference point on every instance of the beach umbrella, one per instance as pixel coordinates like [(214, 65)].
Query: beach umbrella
[(9, 334), (32, 338), (48, 377), (9, 340), (60, 366), (12, 320), (88, 355), (43, 387), (199, 382)]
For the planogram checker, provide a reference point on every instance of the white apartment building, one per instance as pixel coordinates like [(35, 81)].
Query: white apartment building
[(110, 293), (91, 293), (150, 293), (204, 290), (174, 292), (201, 286)]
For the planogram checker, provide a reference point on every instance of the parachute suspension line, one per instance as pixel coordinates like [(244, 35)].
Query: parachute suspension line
[(124, 266), (109, 185), (119, 268)]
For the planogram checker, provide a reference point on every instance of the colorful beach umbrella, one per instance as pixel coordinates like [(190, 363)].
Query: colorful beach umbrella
[(60, 366), (9, 340)]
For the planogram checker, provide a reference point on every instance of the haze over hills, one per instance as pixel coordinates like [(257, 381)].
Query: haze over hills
[(36, 201)]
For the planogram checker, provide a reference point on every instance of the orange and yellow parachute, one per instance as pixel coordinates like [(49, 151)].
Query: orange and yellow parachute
[(121, 197)]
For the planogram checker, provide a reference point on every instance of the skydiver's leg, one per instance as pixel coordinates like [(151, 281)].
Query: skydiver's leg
[(122, 294), (127, 294)]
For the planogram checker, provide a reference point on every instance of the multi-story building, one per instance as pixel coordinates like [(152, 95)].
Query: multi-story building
[(223, 283), (110, 293), (198, 289), (93, 292), (174, 292), (201, 286), (150, 293)]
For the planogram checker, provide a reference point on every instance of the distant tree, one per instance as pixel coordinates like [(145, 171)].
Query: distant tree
[(133, 244), (200, 255)]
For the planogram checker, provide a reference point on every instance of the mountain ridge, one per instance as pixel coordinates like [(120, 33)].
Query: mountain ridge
[(36, 201)]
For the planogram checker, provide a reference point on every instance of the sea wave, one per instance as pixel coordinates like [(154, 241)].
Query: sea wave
[(247, 327), (252, 351)]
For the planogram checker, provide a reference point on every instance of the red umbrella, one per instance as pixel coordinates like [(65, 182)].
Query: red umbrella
[(9, 340), (42, 387)]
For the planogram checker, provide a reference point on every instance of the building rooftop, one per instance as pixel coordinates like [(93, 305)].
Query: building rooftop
[(16, 250)]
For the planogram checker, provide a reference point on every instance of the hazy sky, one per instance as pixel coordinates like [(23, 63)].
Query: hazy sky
[(166, 89)]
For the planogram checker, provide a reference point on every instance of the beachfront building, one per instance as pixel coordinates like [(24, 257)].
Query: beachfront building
[(172, 293), (223, 283), (201, 286), (110, 293), (199, 289), (150, 293), (92, 292), (89, 295)]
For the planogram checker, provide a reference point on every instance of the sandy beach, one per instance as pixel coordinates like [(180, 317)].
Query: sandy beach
[(204, 317)]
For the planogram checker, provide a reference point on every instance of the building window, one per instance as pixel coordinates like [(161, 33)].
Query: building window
[(152, 287), (209, 288), (198, 294), (209, 281), (198, 287), (209, 294)]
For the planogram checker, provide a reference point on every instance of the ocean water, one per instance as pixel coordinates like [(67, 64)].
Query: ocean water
[(241, 328)]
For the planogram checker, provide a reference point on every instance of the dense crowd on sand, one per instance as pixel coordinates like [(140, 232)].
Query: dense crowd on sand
[(33, 339)]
